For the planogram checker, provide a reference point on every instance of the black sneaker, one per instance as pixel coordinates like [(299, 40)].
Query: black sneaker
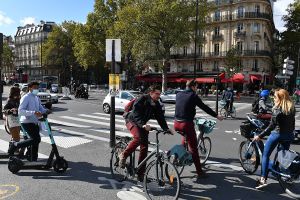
[(12, 148), (261, 184)]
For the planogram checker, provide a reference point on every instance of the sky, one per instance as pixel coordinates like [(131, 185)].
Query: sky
[(14, 13)]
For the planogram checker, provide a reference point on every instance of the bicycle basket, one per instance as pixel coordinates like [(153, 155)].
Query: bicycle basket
[(182, 156), (207, 125), (247, 129), (222, 103)]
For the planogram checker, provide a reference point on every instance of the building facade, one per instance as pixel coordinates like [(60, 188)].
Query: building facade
[(28, 50), (244, 24)]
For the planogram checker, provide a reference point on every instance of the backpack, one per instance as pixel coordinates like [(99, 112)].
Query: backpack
[(255, 106), (128, 108)]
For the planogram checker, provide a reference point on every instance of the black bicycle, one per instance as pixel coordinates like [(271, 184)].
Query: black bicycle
[(250, 153), (157, 185)]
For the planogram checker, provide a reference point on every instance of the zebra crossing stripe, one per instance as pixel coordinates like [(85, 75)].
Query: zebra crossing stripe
[(4, 147), (67, 123)]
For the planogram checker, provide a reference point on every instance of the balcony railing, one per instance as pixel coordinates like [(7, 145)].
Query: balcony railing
[(218, 37), (241, 34), (235, 16), (223, 54)]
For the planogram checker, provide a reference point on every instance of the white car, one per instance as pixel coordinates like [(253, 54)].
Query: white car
[(169, 95), (54, 98), (122, 98)]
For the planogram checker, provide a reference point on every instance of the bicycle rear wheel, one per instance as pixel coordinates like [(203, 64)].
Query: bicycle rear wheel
[(290, 185), (204, 148), (117, 172), (233, 114), (156, 183), (249, 157)]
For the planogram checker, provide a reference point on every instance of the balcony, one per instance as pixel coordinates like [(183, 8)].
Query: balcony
[(218, 37), (238, 16), (241, 34)]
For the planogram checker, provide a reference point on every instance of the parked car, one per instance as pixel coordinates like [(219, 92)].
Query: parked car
[(54, 98), (122, 98), (169, 95)]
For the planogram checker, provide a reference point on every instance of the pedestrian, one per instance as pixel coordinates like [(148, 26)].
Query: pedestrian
[(282, 126), (228, 98), (30, 110), (264, 106), (185, 111), (143, 109), (11, 112)]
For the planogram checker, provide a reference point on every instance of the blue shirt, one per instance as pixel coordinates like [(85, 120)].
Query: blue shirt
[(29, 104)]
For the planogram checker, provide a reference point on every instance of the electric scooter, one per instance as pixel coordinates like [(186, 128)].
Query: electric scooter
[(59, 164)]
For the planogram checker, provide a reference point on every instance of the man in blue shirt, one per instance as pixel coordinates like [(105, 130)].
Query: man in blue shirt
[(30, 110)]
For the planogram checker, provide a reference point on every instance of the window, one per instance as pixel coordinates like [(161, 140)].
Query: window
[(240, 27), (256, 28), (239, 46), (200, 50), (255, 65), (217, 49), (257, 9), (199, 66), (217, 30), (217, 2), (217, 15), (125, 95), (216, 66), (185, 50), (256, 46), (240, 12)]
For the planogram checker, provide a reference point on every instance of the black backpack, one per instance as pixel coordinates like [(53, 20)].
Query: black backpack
[(255, 106)]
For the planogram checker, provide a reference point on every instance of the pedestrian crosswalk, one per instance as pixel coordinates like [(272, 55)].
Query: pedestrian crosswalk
[(83, 128)]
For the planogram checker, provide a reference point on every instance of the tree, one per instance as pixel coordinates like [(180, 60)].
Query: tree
[(57, 51), (8, 59), (150, 29), (290, 38), (232, 62)]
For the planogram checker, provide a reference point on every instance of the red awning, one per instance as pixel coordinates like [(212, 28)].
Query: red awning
[(237, 78), (255, 77), (205, 80)]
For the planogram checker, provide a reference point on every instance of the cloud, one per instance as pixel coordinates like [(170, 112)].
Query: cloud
[(4, 20), (279, 10), (27, 20)]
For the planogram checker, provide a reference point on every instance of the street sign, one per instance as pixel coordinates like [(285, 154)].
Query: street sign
[(109, 50), (287, 66), (282, 77), (114, 81)]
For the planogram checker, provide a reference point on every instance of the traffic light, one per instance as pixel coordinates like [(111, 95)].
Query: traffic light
[(288, 67)]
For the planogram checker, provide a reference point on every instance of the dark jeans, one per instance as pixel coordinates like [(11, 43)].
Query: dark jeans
[(140, 138), (273, 140), (34, 133), (189, 130), (228, 106)]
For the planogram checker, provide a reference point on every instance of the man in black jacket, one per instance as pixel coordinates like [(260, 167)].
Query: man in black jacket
[(136, 122), (185, 111)]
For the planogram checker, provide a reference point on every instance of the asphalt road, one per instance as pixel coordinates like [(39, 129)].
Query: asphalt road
[(81, 131)]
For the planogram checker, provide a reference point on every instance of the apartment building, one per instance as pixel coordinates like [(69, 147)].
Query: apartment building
[(28, 50), (245, 24)]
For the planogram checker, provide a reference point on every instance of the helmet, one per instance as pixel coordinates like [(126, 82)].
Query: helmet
[(264, 93), (228, 89)]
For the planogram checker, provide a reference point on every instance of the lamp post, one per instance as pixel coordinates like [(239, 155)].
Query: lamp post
[(196, 33)]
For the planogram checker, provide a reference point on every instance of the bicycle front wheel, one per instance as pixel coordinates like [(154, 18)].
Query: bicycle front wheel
[(223, 112), (156, 183), (117, 172), (290, 185), (204, 148), (249, 157)]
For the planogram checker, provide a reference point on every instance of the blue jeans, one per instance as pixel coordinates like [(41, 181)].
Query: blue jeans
[(270, 145)]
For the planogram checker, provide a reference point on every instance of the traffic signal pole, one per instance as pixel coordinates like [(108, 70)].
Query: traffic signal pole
[(112, 102)]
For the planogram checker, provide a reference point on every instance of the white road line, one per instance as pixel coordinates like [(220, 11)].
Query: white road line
[(4, 147), (67, 123)]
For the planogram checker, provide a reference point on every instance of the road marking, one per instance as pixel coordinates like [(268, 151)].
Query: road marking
[(67, 123), (4, 147), (8, 190)]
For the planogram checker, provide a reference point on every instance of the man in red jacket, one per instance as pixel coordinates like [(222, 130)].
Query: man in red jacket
[(185, 111)]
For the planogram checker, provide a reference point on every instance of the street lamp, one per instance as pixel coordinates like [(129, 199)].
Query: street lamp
[(196, 31)]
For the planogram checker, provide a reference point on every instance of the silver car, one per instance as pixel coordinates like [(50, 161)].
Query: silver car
[(169, 95)]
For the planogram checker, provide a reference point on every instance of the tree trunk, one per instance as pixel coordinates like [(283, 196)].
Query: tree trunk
[(164, 76)]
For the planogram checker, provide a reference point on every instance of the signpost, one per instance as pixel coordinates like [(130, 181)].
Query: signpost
[(113, 54), (1, 85)]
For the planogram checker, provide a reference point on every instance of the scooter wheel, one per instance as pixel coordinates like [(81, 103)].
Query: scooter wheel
[(14, 165), (60, 165)]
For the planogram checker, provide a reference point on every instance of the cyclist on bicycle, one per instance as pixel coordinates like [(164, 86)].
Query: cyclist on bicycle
[(143, 109), (185, 111), (228, 98), (283, 124), (264, 106)]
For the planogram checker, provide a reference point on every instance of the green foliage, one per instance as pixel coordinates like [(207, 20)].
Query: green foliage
[(232, 62), (7, 57)]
